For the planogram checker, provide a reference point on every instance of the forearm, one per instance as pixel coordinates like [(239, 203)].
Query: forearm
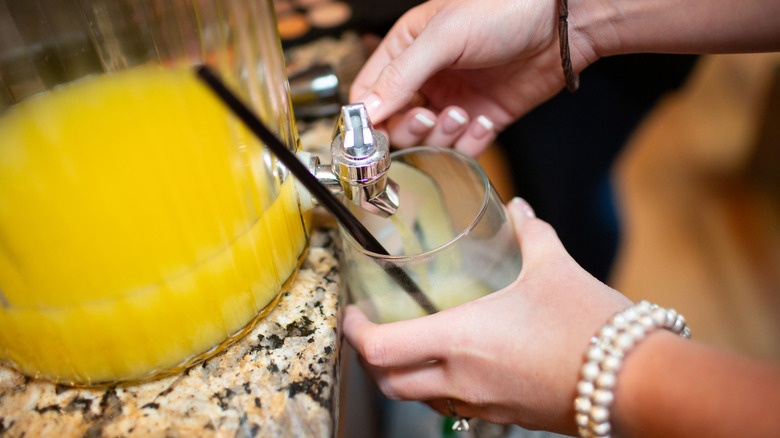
[(673, 387), (677, 26)]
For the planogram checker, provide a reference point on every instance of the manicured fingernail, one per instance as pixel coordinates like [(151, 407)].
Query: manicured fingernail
[(372, 102), (420, 124), (521, 205), (485, 122), (482, 128), (453, 122), (458, 117), (422, 118)]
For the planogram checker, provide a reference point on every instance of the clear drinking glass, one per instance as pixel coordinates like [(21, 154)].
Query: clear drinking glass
[(451, 235), (141, 226)]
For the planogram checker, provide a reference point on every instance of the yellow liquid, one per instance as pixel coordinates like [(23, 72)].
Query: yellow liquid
[(138, 228), (411, 245), (443, 281), (389, 303), (442, 277)]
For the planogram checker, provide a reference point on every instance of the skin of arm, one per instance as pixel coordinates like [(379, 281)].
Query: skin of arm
[(612, 27), (673, 387)]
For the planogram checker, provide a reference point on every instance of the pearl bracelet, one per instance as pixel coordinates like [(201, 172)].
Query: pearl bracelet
[(605, 356)]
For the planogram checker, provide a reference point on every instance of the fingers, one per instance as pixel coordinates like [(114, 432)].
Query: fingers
[(479, 135), (531, 232), (409, 55), (420, 382), (520, 210), (539, 243), (456, 408), (414, 369), (410, 128), (452, 127), (403, 343), (451, 123), (422, 127)]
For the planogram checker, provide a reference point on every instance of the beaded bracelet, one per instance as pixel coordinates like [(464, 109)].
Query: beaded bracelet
[(605, 356)]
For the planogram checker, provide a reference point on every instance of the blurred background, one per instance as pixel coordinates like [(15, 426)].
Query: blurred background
[(699, 196)]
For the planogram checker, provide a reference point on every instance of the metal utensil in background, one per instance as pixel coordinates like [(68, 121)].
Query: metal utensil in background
[(315, 92)]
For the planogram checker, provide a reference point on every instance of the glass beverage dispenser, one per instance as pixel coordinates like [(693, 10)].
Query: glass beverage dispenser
[(141, 226)]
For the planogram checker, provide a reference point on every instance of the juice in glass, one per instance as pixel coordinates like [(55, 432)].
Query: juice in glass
[(451, 235)]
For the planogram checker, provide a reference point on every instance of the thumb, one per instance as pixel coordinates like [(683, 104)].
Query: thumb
[(538, 240), (398, 68), (520, 211), (521, 215)]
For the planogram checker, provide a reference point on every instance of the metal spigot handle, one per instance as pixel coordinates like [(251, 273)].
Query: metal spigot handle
[(361, 158)]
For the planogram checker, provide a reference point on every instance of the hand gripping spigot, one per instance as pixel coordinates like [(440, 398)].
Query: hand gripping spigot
[(360, 160)]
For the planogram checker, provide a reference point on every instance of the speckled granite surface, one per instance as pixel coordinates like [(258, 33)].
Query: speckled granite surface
[(280, 380)]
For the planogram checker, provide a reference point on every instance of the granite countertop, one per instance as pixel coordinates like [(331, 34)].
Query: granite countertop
[(279, 380)]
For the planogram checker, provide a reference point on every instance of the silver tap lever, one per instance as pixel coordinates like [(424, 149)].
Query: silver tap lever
[(361, 158)]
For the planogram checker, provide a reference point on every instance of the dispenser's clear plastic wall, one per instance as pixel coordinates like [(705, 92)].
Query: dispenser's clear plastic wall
[(141, 226)]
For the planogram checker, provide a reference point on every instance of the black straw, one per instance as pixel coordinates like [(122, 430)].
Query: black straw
[(353, 226)]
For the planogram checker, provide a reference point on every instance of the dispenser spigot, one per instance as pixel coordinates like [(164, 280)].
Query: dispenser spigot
[(360, 161)]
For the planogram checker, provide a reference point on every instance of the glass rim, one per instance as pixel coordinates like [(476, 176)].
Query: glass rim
[(408, 258)]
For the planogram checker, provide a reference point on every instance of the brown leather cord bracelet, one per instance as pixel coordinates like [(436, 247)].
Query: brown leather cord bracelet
[(572, 80)]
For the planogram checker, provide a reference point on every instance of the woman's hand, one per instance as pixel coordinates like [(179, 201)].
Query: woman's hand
[(456, 72), (510, 357)]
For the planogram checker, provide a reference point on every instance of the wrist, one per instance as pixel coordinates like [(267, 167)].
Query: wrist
[(672, 387), (614, 27), (605, 357), (628, 407), (592, 30)]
